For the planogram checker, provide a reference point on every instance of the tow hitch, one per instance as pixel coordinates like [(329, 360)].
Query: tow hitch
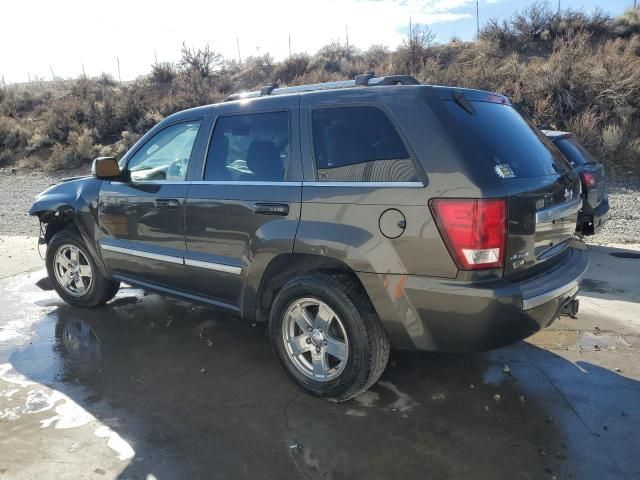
[(570, 308)]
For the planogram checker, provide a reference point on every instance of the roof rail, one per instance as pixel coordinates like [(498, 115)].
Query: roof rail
[(368, 79), (396, 80), (267, 89), (363, 79)]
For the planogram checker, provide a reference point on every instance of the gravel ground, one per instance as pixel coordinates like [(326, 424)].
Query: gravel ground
[(18, 189), (623, 225)]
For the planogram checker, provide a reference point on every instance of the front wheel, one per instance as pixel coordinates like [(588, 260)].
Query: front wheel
[(327, 336), (74, 273)]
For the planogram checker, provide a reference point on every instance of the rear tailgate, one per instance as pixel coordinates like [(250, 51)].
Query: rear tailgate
[(542, 218), (543, 193)]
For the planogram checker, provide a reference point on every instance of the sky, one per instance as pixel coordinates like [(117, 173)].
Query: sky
[(67, 36)]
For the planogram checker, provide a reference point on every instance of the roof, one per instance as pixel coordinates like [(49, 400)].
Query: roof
[(361, 82)]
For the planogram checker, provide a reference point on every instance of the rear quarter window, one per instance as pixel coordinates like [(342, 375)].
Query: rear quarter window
[(359, 144), (514, 146)]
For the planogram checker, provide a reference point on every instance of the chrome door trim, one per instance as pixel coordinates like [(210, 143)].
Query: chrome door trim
[(152, 182), (248, 182), (283, 184), (209, 182), (366, 184), (559, 211), (218, 267), (143, 254)]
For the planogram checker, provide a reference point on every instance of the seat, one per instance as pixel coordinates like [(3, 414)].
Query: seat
[(263, 159)]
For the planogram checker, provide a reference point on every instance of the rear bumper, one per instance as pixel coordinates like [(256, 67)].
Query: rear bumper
[(594, 218), (427, 313)]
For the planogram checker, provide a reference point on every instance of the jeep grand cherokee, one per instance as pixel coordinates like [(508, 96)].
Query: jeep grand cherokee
[(351, 216)]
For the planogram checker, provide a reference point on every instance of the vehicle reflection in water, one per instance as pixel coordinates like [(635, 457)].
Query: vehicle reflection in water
[(78, 344)]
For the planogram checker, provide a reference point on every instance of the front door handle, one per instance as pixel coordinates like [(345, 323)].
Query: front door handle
[(279, 209), (167, 203)]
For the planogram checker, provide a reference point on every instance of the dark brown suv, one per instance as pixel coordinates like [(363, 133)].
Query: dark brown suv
[(352, 216)]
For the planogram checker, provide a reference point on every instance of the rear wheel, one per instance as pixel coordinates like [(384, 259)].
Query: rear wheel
[(327, 336), (74, 273)]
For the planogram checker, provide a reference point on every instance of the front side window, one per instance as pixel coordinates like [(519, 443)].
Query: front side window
[(251, 147), (165, 156), (359, 144)]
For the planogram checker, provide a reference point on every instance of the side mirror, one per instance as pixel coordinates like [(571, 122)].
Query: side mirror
[(105, 167)]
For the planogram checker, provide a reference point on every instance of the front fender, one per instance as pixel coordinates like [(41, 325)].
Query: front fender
[(67, 196), (75, 200)]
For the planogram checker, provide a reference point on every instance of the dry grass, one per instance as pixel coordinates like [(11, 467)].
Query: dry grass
[(570, 71)]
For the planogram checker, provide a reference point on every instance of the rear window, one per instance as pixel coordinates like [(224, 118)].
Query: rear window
[(516, 148), (359, 144), (575, 153)]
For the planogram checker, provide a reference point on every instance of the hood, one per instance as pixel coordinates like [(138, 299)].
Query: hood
[(75, 193), (71, 179)]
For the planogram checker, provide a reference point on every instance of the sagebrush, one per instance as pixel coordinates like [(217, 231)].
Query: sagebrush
[(566, 71)]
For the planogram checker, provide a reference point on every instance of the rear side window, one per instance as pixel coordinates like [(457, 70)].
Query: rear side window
[(359, 144), (516, 148), (252, 147), (575, 153)]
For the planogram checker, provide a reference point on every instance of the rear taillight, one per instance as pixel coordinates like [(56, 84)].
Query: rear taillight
[(588, 178), (475, 230)]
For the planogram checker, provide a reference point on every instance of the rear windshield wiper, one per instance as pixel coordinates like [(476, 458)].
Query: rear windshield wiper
[(462, 101)]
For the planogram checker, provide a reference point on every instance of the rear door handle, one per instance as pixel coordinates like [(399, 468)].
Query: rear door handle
[(167, 203), (279, 209)]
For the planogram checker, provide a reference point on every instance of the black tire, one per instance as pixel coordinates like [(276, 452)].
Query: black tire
[(101, 289), (368, 342)]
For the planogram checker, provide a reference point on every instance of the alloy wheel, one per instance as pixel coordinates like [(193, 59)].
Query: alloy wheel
[(315, 339), (72, 270)]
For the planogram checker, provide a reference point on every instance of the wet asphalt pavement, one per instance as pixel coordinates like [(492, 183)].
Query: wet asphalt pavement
[(152, 388)]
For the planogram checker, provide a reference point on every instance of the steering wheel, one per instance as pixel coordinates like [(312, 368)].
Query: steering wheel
[(178, 168)]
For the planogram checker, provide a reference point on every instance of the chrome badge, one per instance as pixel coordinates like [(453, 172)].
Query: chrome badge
[(568, 194)]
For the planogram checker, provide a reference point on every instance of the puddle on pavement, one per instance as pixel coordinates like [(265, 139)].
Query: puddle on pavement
[(208, 387), (626, 255), (599, 286), (589, 342), (575, 340)]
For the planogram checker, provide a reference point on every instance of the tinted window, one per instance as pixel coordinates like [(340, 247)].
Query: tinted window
[(252, 147), (575, 153), (359, 144), (165, 156), (516, 148)]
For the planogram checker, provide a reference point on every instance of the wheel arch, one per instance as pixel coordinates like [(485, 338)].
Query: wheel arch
[(286, 266), (56, 220), (66, 217)]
